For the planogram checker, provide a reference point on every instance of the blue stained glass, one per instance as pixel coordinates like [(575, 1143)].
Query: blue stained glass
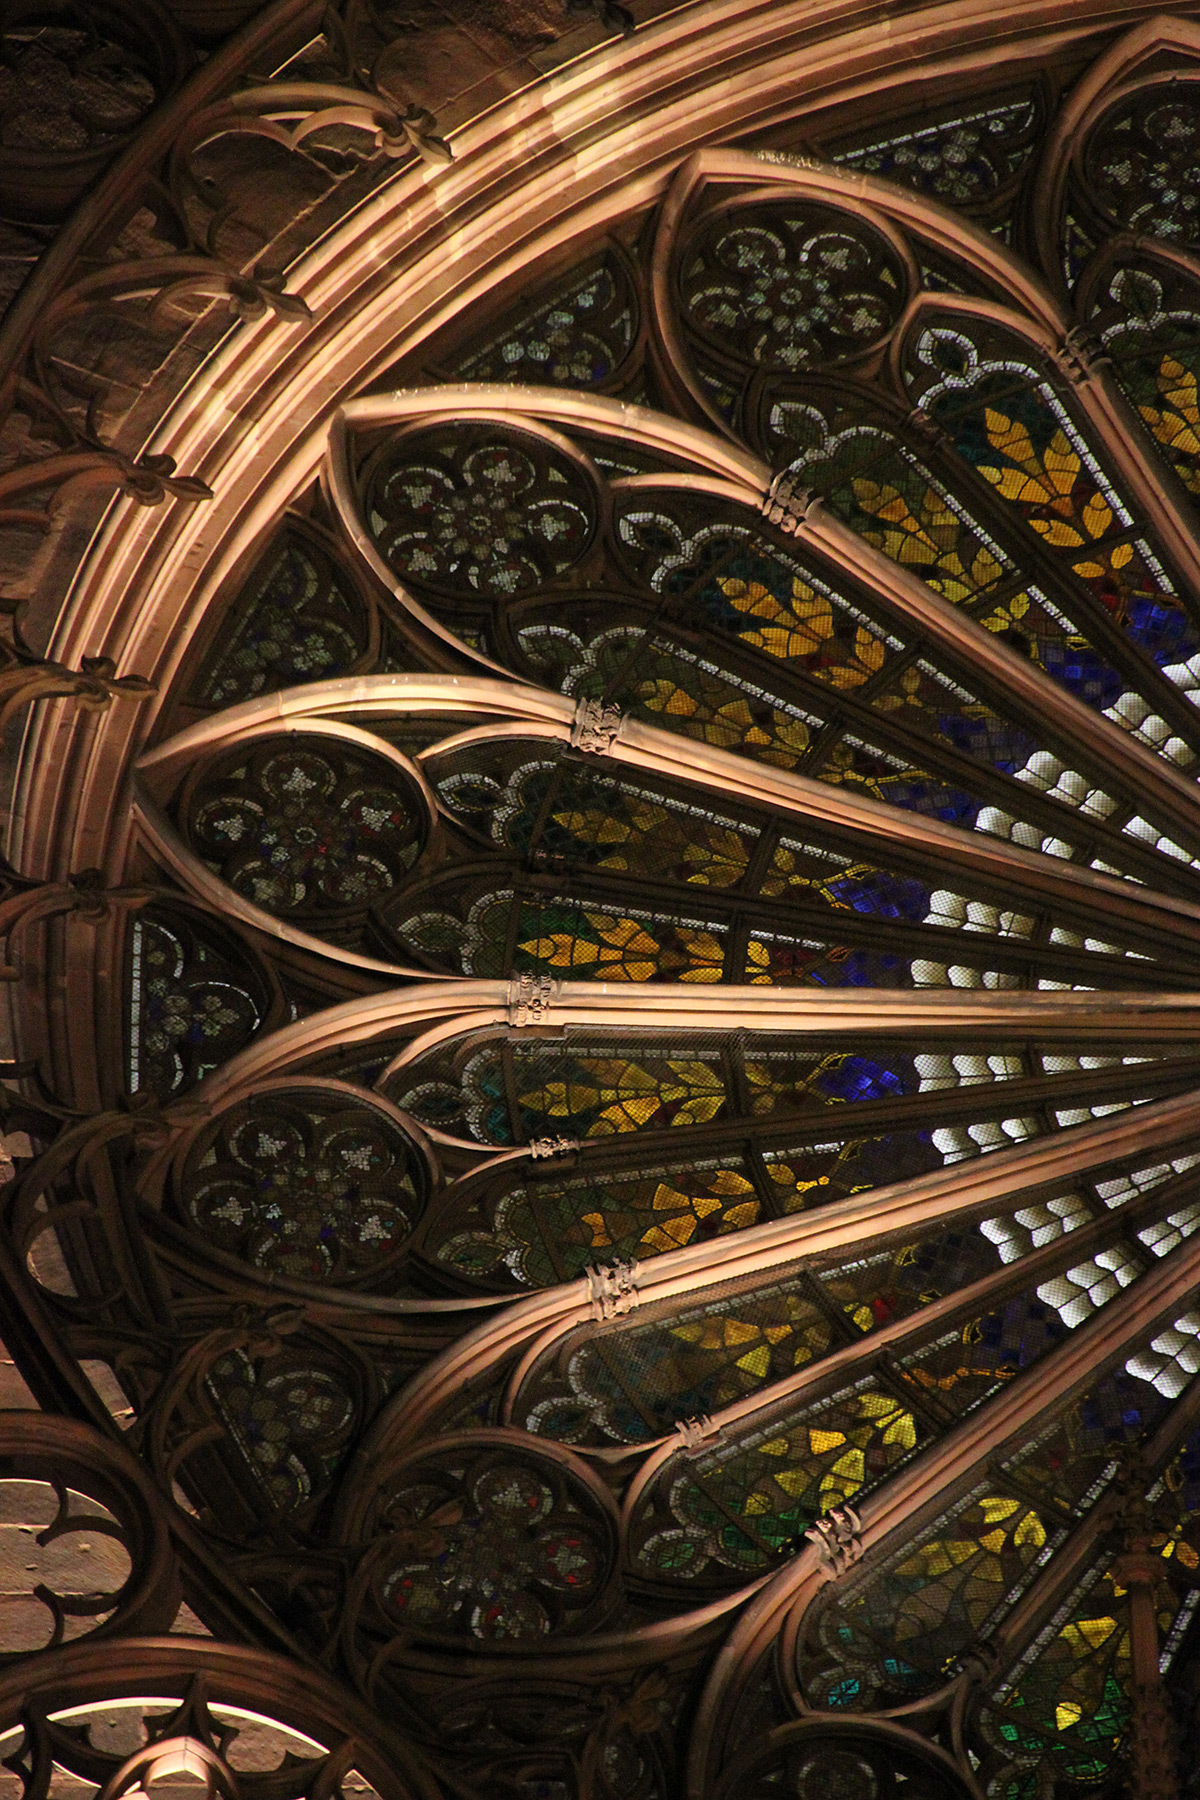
[(1024, 1329), (1162, 630), (1082, 671), (884, 897), (860, 1079)]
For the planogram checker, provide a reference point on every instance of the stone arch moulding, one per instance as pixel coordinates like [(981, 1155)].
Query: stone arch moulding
[(630, 1096), (187, 556)]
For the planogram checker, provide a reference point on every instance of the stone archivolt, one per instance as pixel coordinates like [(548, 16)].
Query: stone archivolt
[(608, 1051)]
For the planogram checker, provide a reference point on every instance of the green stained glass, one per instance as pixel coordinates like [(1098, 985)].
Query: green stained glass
[(902, 1628), (553, 1232), (636, 1381), (902, 1633), (734, 1511), (1066, 1711)]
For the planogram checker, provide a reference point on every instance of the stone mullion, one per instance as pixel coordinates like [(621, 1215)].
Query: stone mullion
[(962, 1192), (628, 1151), (930, 1483), (646, 748), (439, 1010), (1151, 781), (880, 1351), (1033, 876), (800, 914), (849, 1347)]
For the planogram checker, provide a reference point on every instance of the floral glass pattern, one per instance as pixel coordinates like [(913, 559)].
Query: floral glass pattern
[(305, 827), (315, 1187), (649, 1204)]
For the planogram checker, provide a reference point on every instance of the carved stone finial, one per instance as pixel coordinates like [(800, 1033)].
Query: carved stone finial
[(540, 1148), (95, 684), (787, 504), (694, 1433), (612, 1289), (837, 1537), (596, 727), (530, 998)]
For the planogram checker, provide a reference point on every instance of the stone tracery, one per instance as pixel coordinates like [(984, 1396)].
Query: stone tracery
[(658, 941)]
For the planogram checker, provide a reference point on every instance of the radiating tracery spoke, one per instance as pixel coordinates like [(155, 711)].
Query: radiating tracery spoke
[(665, 1132)]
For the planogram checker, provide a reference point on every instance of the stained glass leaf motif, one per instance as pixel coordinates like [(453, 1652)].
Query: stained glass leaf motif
[(962, 160), (540, 1236), (749, 1499), (903, 1628), (578, 336), (538, 1233), (585, 939), (307, 828), (1146, 317), (728, 578), (598, 1087), (638, 1381), (636, 1378), (543, 808), (791, 671), (900, 1633), (477, 510), (1008, 421), (298, 618), (1068, 1709), (192, 1002), (733, 1512), (573, 940), (1063, 1709), (884, 491), (796, 286), (314, 1186), (568, 822), (765, 715), (885, 494)]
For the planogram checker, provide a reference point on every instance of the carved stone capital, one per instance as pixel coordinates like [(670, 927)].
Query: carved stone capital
[(612, 1289), (838, 1540), (925, 429), (788, 504), (541, 1148), (695, 1433), (1080, 354), (596, 727), (530, 998)]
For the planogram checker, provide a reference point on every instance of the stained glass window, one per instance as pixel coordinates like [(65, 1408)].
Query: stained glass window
[(642, 1208)]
